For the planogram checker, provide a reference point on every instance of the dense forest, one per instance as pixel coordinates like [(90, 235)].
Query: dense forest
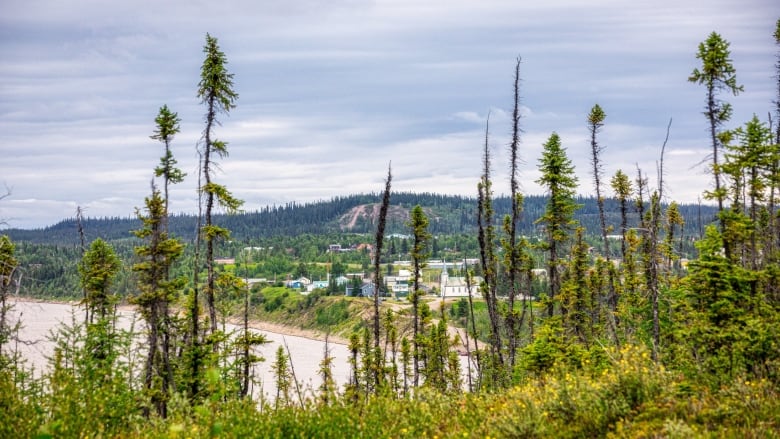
[(449, 215), (652, 320), (50, 255)]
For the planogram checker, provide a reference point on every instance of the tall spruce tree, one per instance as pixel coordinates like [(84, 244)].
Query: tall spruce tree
[(652, 258), (560, 183), (155, 229), (717, 74), (595, 123), (419, 253), (156, 295), (215, 91), (773, 288), (776, 36), (749, 163), (576, 293)]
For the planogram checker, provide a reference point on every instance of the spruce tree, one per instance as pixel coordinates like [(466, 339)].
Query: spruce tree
[(98, 269), (156, 295), (717, 74), (595, 123), (651, 261), (283, 377), (749, 163), (167, 123), (215, 91), (8, 269), (621, 186), (560, 183), (673, 220), (328, 388), (576, 293), (419, 253), (773, 288)]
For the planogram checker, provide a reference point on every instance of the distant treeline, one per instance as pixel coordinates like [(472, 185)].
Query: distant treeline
[(449, 214)]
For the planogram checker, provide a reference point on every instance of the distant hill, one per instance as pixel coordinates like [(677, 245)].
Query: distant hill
[(448, 214)]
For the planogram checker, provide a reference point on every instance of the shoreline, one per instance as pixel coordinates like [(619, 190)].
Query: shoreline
[(282, 329), (260, 325)]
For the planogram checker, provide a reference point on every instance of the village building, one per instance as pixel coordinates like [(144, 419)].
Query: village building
[(399, 285), (300, 283), (366, 290), (324, 284), (455, 286), (256, 280)]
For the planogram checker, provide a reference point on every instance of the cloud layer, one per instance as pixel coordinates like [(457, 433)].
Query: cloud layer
[(332, 92)]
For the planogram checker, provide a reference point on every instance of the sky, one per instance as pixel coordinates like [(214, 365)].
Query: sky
[(332, 93)]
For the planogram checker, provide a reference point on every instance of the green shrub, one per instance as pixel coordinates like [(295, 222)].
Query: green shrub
[(332, 314)]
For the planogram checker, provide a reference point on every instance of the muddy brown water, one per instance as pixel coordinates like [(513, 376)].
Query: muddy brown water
[(39, 319)]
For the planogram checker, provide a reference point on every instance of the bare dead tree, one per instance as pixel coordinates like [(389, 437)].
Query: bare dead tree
[(292, 372), (83, 242), (513, 266), (486, 238), (473, 330), (4, 221), (380, 237), (661, 162)]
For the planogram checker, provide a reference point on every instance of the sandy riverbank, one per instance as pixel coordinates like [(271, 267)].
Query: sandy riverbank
[(278, 328)]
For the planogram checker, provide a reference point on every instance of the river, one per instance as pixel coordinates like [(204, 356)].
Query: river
[(39, 319)]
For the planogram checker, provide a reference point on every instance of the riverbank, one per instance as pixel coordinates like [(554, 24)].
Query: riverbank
[(260, 325), (281, 329)]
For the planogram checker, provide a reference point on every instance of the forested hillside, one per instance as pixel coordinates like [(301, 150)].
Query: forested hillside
[(449, 214)]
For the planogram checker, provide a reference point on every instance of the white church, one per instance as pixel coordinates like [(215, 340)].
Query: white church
[(455, 286)]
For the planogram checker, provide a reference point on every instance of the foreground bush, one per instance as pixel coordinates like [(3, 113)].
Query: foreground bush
[(630, 397)]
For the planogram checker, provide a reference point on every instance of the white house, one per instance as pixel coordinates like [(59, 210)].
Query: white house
[(399, 284), (301, 282), (317, 284)]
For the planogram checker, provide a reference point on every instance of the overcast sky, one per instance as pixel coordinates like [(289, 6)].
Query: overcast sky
[(330, 92)]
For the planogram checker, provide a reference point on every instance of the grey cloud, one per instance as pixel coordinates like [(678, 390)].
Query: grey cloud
[(330, 92)]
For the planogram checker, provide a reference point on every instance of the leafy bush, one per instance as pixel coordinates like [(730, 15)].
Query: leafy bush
[(333, 314)]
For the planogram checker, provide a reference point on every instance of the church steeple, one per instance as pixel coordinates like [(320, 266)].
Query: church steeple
[(443, 279)]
